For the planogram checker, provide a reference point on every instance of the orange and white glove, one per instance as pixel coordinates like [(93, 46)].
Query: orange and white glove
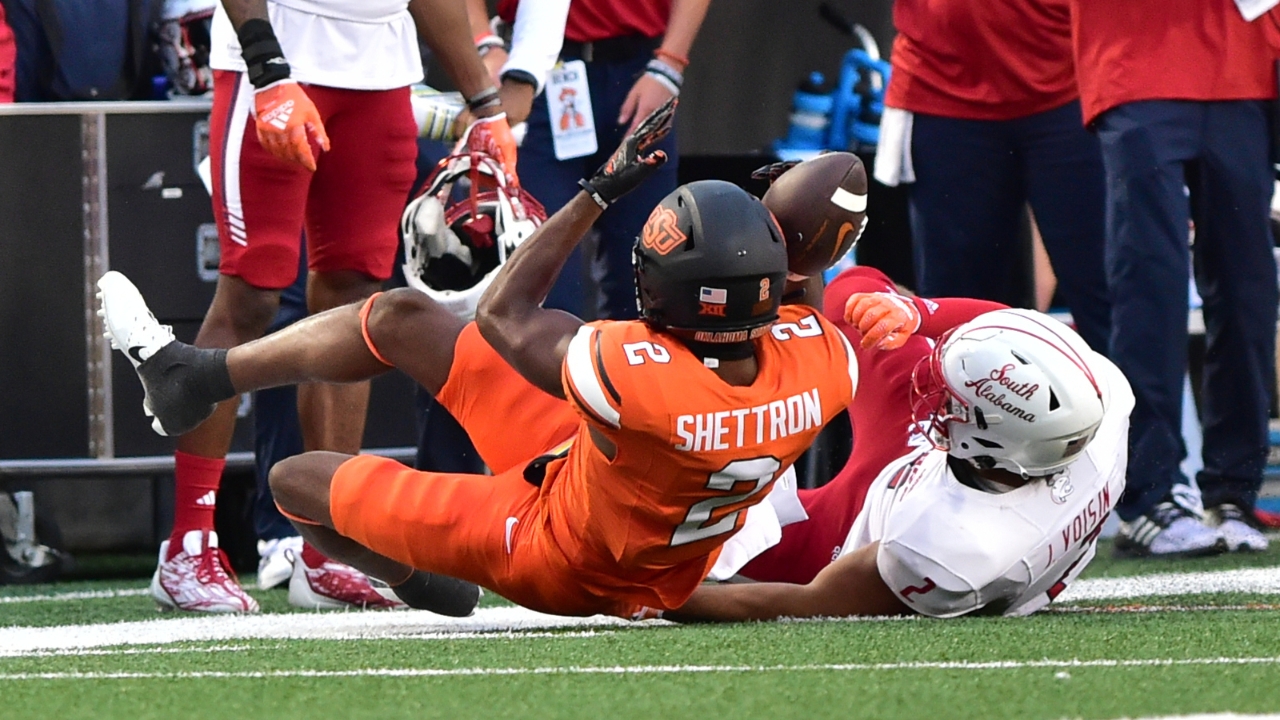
[(492, 135), (288, 123), (641, 612), (885, 320)]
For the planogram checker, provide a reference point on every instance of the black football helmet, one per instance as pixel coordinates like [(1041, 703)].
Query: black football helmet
[(710, 265)]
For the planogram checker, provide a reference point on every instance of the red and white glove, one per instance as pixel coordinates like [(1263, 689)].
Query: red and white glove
[(492, 136), (288, 123), (885, 320)]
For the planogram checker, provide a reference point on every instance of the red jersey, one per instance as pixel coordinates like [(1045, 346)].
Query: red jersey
[(693, 452), (594, 20), (982, 59), (8, 60), (1129, 50)]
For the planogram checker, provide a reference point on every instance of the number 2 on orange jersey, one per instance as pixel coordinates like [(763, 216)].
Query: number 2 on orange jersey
[(761, 470)]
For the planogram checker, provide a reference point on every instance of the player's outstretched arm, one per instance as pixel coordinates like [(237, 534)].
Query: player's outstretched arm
[(850, 586), (510, 316)]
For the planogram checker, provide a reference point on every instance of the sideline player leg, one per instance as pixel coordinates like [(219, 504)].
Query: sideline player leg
[(239, 313), (333, 416)]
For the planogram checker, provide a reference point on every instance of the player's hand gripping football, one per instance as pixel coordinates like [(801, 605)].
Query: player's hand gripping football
[(288, 123), (773, 171), (885, 320), (492, 135), (634, 160)]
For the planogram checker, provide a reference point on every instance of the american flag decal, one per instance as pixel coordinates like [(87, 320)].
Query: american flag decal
[(718, 296)]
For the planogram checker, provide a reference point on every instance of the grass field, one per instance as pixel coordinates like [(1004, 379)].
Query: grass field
[(1167, 638)]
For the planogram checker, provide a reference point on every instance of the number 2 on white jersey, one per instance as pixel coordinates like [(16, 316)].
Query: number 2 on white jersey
[(761, 470)]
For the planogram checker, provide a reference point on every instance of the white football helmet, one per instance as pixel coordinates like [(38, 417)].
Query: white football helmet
[(1010, 389), (453, 250)]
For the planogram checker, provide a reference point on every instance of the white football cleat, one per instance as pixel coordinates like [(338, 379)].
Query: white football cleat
[(181, 384), (1169, 530), (331, 585), (131, 327), (1235, 526), (196, 578), (276, 564)]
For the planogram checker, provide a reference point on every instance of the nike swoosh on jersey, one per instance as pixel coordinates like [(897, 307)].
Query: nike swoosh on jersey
[(511, 523)]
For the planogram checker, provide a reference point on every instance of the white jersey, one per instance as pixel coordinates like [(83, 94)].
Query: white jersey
[(948, 549), (351, 44)]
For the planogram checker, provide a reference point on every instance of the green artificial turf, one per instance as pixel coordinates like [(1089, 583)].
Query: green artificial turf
[(1120, 657), (767, 670)]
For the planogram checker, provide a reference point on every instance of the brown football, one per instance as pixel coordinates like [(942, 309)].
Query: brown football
[(821, 205)]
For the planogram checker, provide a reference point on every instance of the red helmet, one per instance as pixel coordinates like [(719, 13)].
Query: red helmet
[(455, 242)]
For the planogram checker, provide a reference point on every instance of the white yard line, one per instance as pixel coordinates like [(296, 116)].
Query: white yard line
[(1247, 580), (496, 623), (642, 669), (63, 597), (1212, 716), (1140, 608), (499, 622), (82, 652)]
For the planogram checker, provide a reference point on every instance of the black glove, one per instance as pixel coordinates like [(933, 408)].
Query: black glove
[(773, 171), (632, 162)]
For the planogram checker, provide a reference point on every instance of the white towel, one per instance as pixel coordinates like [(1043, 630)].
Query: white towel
[(893, 157), (762, 528), (1254, 9)]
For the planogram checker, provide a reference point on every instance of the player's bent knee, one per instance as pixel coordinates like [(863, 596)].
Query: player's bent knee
[(404, 314), (300, 484)]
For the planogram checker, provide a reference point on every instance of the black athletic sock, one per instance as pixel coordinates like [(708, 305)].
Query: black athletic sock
[(184, 384), (201, 375), (438, 593)]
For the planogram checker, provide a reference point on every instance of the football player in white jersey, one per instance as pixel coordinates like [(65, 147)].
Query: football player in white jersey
[(1008, 439)]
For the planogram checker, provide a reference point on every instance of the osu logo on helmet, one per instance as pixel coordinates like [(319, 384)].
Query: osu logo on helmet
[(662, 232)]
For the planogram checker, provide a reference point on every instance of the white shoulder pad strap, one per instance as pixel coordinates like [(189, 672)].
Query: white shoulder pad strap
[(586, 385)]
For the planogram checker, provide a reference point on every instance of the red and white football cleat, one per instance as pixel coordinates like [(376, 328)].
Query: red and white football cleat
[(319, 583), (197, 578)]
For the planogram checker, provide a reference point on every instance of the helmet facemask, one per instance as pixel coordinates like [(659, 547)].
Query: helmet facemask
[(1010, 390), (462, 228)]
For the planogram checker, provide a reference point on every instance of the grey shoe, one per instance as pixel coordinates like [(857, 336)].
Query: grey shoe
[(1238, 528), (1169, 530)]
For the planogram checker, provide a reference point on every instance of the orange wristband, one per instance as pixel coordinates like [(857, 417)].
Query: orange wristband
[(680, 60)]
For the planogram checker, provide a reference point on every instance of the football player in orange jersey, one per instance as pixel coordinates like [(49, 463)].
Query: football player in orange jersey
[(624, 452)]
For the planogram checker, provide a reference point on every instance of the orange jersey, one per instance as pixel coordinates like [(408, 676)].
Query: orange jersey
[(693, 452)]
